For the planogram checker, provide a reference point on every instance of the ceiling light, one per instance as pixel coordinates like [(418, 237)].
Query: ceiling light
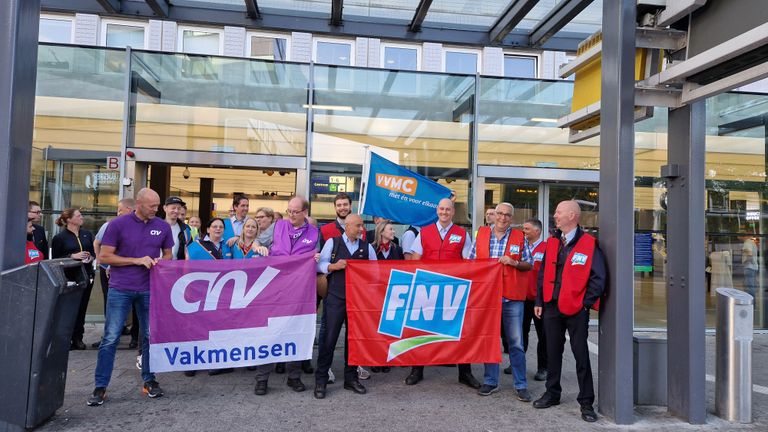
[(543, 120)]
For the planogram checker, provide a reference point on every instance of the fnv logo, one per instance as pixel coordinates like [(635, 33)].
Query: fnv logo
[(579, 259), (406, 185), (242, 296), (514, 249), (538, 256), (430, 302)]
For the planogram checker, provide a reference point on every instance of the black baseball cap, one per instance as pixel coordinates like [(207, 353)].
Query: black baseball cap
[(174, 200)]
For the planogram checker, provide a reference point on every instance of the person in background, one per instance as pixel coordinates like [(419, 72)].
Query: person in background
[(750, 263), (370, 234), (490, 216), (265, 218), (233, 226), (194, 227), (39, 237), (124, 207), (172, 208), (32, 253), (278, 216), (409, 236), (76, 243), (536, 248)]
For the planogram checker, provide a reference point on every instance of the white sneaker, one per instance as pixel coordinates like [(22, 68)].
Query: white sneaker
[(331, 377), (362, 373), (138, 362)]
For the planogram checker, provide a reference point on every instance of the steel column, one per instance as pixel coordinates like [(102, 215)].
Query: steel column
[(686, 391), (19, 24), (617, 170)]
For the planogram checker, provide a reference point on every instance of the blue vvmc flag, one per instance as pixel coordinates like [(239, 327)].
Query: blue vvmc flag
[(393, 192)]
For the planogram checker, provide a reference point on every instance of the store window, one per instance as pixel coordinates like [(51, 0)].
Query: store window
[(519, 66)]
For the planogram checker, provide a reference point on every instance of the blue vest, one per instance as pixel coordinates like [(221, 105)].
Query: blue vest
[(197, 251)]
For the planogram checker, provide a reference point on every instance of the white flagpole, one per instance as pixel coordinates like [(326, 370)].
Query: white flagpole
[(364, 180)]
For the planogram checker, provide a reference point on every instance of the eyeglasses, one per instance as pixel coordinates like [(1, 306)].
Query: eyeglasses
[(260, 217), (293, 212), (36, 211), (500, 214)]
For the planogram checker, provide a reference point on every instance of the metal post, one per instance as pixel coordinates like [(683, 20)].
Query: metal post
[(129, 117), (685, 265), (476, 198), (733, 361), (617, 171), (19, 24), (304, 177)]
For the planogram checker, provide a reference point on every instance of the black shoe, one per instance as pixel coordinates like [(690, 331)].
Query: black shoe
[(487, 390), (251, 368), (190, 373), (319, 391), (261, 388), (213, 372), (296, 384), (152, 389), (355, 386), (545, 401), (77, 345), (375, 369), (508, 370), (588, 414), (96, 344), (469, 380), (386, 369), (524, 395), (280, 368), (133, 344), (98, 396), (541, 375), (306, 367), (414, 377)]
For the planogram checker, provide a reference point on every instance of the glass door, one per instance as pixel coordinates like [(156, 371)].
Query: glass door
[(585, 194)]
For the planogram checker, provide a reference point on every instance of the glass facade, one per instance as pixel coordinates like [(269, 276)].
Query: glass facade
[(432, 123)]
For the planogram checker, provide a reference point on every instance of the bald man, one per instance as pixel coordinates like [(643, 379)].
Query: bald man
[(132, 244), (570, 281), (333, 262), (442, 241)]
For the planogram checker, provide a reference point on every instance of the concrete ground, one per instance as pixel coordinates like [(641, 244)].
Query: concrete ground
[(439, 403)]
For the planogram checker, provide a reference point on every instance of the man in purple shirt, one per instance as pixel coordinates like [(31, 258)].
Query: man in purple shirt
[(293, 236), (132, 244)]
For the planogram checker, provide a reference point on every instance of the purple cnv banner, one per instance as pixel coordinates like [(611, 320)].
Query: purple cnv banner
[(231, 313)]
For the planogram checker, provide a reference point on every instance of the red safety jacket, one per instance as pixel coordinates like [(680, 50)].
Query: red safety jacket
[(435, 248), (575, 277), (515, 281), (538, 256)]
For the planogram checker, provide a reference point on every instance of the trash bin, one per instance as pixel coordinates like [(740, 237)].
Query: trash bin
[(733, 358), (38, 307), (650, 372)]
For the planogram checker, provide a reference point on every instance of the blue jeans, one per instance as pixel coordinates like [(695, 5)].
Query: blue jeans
[(118, 307), (512, 321)]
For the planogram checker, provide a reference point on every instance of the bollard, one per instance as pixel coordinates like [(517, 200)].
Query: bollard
[(733, 363)]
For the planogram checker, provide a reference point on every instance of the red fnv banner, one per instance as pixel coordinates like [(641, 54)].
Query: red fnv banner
[(406, 313)]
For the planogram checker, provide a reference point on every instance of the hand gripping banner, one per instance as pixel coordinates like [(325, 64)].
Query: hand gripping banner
[(231, 313), (406, 313)]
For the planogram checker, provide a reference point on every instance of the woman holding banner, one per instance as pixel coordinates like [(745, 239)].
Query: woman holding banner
[(212, 247), (248, 246)]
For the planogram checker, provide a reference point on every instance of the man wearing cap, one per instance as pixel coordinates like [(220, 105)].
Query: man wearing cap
[(172, 208)]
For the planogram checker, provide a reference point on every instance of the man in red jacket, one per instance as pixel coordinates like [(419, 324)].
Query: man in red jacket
[(535, 246), (570, 282), (442, 241)]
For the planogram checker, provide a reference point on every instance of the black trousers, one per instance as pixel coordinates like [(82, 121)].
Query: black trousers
[(79, 329), (104, 290), (335, 317), (555, 326), (464, 368), (541, 346)]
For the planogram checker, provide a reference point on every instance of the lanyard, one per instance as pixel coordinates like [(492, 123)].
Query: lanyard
[(77, 237)]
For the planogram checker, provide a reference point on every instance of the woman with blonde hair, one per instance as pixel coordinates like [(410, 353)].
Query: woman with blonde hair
[(265, 218), (247, 246)]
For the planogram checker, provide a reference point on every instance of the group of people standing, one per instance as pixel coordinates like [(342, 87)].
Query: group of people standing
[(551, 283)]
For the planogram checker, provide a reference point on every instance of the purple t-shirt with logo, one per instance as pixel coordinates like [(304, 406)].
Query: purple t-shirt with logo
[(133, 238)]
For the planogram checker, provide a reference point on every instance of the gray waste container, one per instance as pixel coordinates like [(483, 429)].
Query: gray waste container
[(38, 307), (650, 378)]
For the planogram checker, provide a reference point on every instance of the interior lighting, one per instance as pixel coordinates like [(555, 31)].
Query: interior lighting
[(328, 107)]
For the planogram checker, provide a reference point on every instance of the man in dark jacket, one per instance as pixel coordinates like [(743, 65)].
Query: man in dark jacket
[(39, 238), (172, 208)]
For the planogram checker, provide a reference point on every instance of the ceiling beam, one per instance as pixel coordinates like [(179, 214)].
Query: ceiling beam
[(556, 19), (516, 11), (252, 9), (336, 8), (159, 7), (419, 15), (111, 6)]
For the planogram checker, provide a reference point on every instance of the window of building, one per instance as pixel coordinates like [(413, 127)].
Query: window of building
[(123, 35), (55, 29), (400, 57), (267, 47), (205, 41), (334, 52), (461, 61), (516, 66)]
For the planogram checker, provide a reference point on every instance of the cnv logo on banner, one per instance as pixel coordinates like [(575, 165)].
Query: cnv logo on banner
[(431, 302), (231, 313)]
